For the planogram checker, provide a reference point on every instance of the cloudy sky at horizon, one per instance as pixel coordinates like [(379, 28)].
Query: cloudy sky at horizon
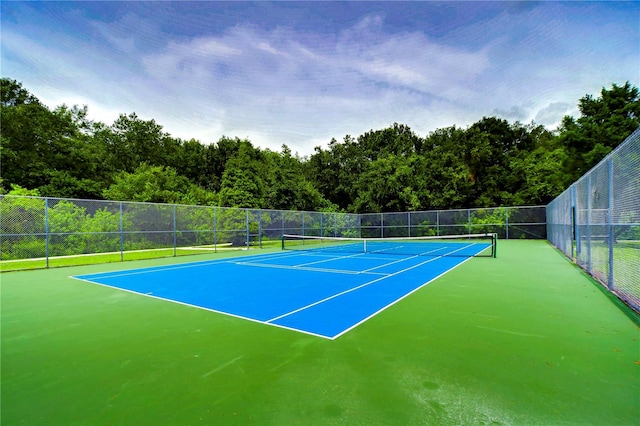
[(301, 73)]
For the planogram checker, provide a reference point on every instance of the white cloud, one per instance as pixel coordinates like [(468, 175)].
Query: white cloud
[(552, 114), (409, 59), (516, 113), (278, 85)]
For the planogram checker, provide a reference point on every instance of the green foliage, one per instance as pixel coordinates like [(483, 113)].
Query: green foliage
[(242, 183), (603, 124), (63, 184), (24, 192), (13, 94), (287, 188), (489, 220), (157, 184), (231, 226), (71, 229), (21, 215), (61, 153), (389, 184), (135, 141)]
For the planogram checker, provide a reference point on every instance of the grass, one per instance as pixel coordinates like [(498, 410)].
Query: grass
[(100, 258), (526, 338)]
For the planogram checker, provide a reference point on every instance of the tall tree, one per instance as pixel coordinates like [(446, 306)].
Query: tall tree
[(41, 148), (449, 181), (216, 158), (398, 139), (603, 124), (389, 184), (136, 141), (287, 186), (191, 161), (242, 183), (157, 184)]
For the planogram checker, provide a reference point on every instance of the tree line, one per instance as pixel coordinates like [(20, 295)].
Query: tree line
[(60, 152)]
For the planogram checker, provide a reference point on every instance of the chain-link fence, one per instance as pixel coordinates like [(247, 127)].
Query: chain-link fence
[(42, 229), (507, 222), (596, 221), (46, 229)]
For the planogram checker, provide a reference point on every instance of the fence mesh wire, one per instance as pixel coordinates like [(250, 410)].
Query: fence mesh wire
[(44, 228), (596, 221), (38, 228), (507, 222)]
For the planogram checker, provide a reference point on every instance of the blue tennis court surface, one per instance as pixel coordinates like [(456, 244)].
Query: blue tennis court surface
[(317, 293)]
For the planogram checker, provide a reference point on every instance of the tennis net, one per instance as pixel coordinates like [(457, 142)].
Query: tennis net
[(471, 245)]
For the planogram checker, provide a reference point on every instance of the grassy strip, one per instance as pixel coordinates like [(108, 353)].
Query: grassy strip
[(102, 258)]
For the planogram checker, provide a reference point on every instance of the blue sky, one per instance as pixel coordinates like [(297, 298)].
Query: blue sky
[(301, 73)]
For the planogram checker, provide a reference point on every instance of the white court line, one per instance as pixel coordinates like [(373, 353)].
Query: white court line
[(350, 290), (153, 269), (203, 308), (404, 259), (361, 286), (333, 258), (397, 300), (301, 268), (399, 247)]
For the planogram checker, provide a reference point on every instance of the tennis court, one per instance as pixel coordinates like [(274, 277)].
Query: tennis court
[(525, 338), (324, 286)]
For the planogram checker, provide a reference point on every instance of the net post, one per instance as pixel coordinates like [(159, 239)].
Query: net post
[(494, 243), (282, 241)]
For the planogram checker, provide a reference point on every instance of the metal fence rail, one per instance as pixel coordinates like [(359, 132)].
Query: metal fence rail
[(45, 228), (507, 222), (596, 221)]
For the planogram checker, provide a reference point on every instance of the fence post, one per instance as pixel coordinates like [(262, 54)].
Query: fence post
[(506, 221), (610, 224), (260, 228), (175, 233), (381, 225), (215, 230), (575, 247), (247, 225), (282, 216), (589, 223), (121, 235), (46, 231)]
